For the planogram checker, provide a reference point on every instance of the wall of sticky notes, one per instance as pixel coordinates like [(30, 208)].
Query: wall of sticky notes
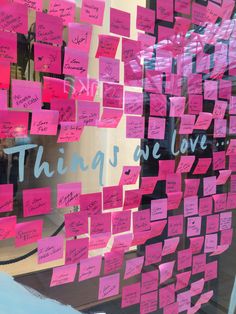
[(117, 147)]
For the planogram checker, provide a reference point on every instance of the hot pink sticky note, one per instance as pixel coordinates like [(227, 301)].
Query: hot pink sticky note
[(177, 106), (153, 253), (5, 77), (7, 227), (158, 209), (113, 95), (210, 90), (119, 22), (44, 122), (141, 220), (156, 128), (88, 113), (171, 308), (47, 58), (76, 250), (109, 70), (185, 164), (122, 242), (70, 132), (149, 281), (110, 118), (63, 275), (37, 202), (166, 271), (100, 223), (158, 105), (226, 237), (232, 105), (210, 243), (196, 244), (75, 62), (26, 95), (175, 225), (132, 199), (135, 127), (183, 6), (182, 280), (166, 167), (113, 261), (121, 222), (6, 198), (195, 104), (65, 9), (148, 185), (133, 267), (8, 47), (92, 11), (170, 246), (28, 232), (107, 46), (13, 124), (91, 203), (223, 177), (68, 194), (50, 249), (209, 186), (133, 103), (55, 88), (187, 124), (131, 295), (109, 286), (33, 4), (211, 271), (184, 301), (129, 175), (220, 128), (199, 263), (66, 109), (148, 302), (191, 187), (99, 241), (230, 201), (174, 200), (165, 10), (14, 18), (194, 226), (190, 206), (231, 148), (145, 19), (219, 160), (147, 44), (112, 197), (219, 109), (173, 183), (166, 295), (90, 268), (212, 224), (202, 165), (44, 22), (79, 36), (198, 14), (204, 121), (184, 259), (225, 221), (220, 201), (232, 125), (76, 224)]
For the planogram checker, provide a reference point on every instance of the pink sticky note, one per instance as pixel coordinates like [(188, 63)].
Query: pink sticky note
[(44, 22), (158, 105), (129, 175), (153, 253), (190, 206), (212, 224), (76, 250), (122, 242), (183, 6), (8, 47), (28, 232), (166, 271), (210, 90), (109, 286), (147, 44), (14, 18), (65, 9), (194, 226), (149, 281), (175, 225), (166, 167), (197, 287), (13, 124), (195, 84), (100, 223), (33, 4), (121, 222), (66, 109), (173, 183), (119, 22), (92, 11), (148, 185), (233, 183), (231, 148), (153, 81), (50, 249), (112, 197), (225, 221), (5, 77), (232, 125), (223, 177), (156, 128), (157, 228), (230, 201), (198, 14), (158, 209), (68, 194), (135, 127), (145, 19), (210, 243), (47, 58), (177, 106), (187, 124), (204, 121), (226, 237), (109, 70), (75, 62), (133, 103), (232, 105), (88, 113), (90, 268), (113, 95), (171, 308), (209, 186), (211, 271), (199, 263), (44, 122), (219, 160), (219, 109), (133, 267), (7, 227), (220, 201), (195, 104), (196, 244), (184, 259), (113, 261), (148, 302), (202, 165), (91, 203), (131, 295), (69, 132), (166, 295), (181, 24), (63, 275), (99, 241), (6, 199), (107, 46), (165, 10), (37, 202), (132, 199), (185, 164), (76, 224), (174, 200), (26, 94), (182, 280), (184, 301), (110, 118), (85, 88), (141, 220), (79, 36), (54, 88), (191, 187), (220, 128), (170, 246)]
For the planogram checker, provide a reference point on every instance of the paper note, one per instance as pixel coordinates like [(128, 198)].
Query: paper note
[(107, 46), (112, 197), (130, 295), (133, 267), (225, 221), (173, 183), (173, 200), (88, 113), (135, 127), (165, 10), (166, 295), (190, 206), (183, 6), (99, 241), (63, 275), (177, 106), (113, 95), (76, 224), (66, 109), (5, 77), (145, 19), (91, 203), (198, 14), (202, 165), (113, 261), (184, 301), (65, 9), (76, 250), (156, 128), (187, 124), (153, 253), (211, 271), (75, 62), (119, 22), (100, 223), (210, 243), (121, 221), (90, 268), (133, 103), (184, 259), (194, 226), (109, 70), (195, 104), (166, 271), (132, 199), (70, 132), (148, 184), (37, 202), (212, 223), (14, 18), (191, 187), (196, 244), (129, 175), (219, 160), (50, 249), (68, 194), (92, 11), (220, 128), (6, 198), (158, 209), (109, 286), (8, 48), (158, 105), (185, 164), (47, 58), (182, 280), (13, 124), (79, 36), (175, 225), (33, 4), (28, 232), (110, 118), (44, 122), (130, 49), (54, 88), (204, 121), (170, 246), (148, 302), (49, 28), (149, 281), (209, 184), (141, 220), (7, 227)]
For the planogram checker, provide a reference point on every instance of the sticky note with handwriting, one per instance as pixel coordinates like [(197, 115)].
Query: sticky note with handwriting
[(7, 227), (109, 70), (165, 10), (76, 224), (90, 267), (69, 132), (107, 46), (91, 203), (100, 223), (63, 275), (75, 62), (37, 201), (8, 47), (153, 253), (14, 18), (6, 198), (46, 22), (148, 302), (109, 286), (145, 20), (130, 295), (133, 267), (66, 109), (79, 36), (92, 12), (50, 249), (28, 232), (65, 9), (119, 22), (112, 197), (129, 175), (76, 250), (47, 58), (44, 122), (113, 261), (121, 221), (68, 194)]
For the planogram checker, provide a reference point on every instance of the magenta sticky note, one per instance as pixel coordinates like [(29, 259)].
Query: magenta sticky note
[(68, 194), (166, 167), (153, 82), (112, 197), (190, 206), (119, 22), (210, 90), (7, 227), (170, 246), (109, 70), (184, 259), (129, 175), (133, 103), (113, 261), (173, 183), (204, 121), (220, 202), (232, 105), (166, 295), (92, 12), (220, 128), (196, 244), (131, 295), (8, 47), (209, 186), (175, 225), (132, 199), (69, 132), (231, 148), (99, 241), (37, 202), (219, 160), (145, 20), (166, 271), (147, 44), (158, 209), (156, 128), (14, 18), (210, 243), (195, 104), (75, 62), (100, 223), (66, 109), (133, 267), (212, 223), (226, 237), (187, 124), (55, 88), (174, 200), (202, 166), (80, 92), (47, 58), (149, 281), (76, 224), (219, 109), (157, 228), (225, 221), (63, 275), (44, 122), (110, 118), (148, 184), (88, 113), (113, 95), (191, 187), (148, 302), (122, 242), (91, 203), (50, 249), (5, 78), (194, 226), (28, 232), (153, 253), (135, 127), (109, 286), (232, 162), (121, 221), (185, 164), (211, 271), (6, 198), (26, 95), (158, 105), (182, 280), (79, 36), (232, 125), (171, 308), (197, 287), (107, 46), (223, 177), (141, 220), (165, 10), (183, 6), (44, 22), (177, 106), (76, 250), (184, 301), (65, 9), (198, 14), (90, 268)]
